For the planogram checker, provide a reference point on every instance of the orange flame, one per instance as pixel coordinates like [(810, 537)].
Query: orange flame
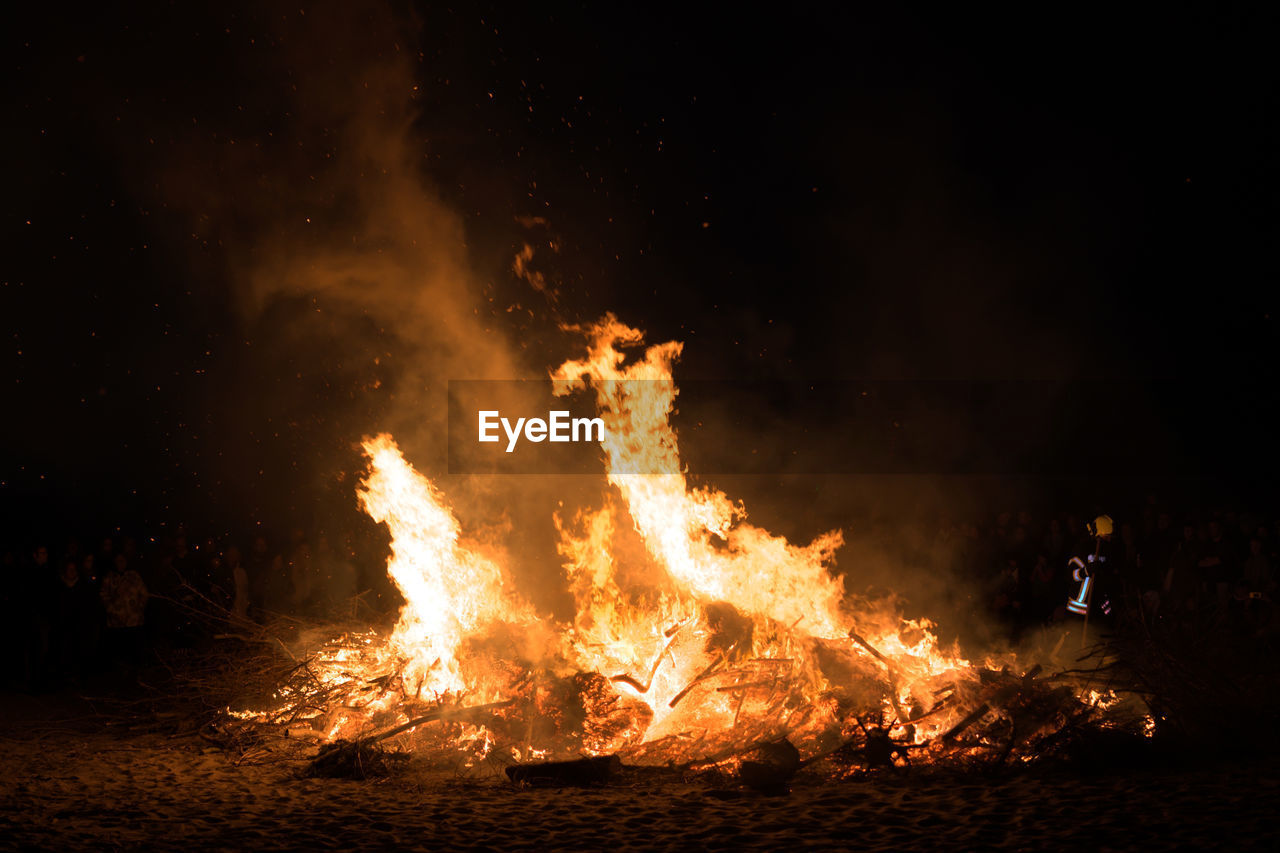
[(450, 591), (717, 625), (699, 535), (710, 555)]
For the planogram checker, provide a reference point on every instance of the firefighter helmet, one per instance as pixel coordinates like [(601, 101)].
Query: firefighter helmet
[(1101, 526)]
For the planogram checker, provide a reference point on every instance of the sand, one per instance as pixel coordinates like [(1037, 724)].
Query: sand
[(74, 784)]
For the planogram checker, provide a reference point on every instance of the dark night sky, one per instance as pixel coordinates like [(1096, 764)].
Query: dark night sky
[(802, 194)]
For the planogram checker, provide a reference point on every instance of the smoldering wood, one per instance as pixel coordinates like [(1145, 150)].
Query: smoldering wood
[(1022, 713), (578, 773), (362, 758)]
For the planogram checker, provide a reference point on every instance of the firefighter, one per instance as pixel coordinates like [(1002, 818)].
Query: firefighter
[(1096, 587)]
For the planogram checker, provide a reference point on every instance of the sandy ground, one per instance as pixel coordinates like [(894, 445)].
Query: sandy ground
[(69, 784)]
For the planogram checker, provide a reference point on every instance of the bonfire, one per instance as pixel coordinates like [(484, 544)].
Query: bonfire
[(715, 643)]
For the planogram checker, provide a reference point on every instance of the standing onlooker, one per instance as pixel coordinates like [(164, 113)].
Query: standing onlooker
[(106, 554), (1219, 569), (36, 597), (301, 575), (1055, 544), (1257, 568), (336, 575), (76, 624), (10, 604), (1257, 588), (1046, 592), (124, 595), (1182, 581), (239, 579), (270, 584)]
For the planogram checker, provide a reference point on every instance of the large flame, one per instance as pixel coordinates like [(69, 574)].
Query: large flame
[(783, 596), (699, 534), (693, 627), (450, 591)]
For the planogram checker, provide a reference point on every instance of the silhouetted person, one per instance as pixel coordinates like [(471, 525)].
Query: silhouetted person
[(1046, 590), (181, 577), (214, 578), (234, 568), (38, 602), (1157, 551), (10, 607), (76, 625), (301, 575), (182, 562), (1055, 543), (1218, 569), (89, 569), (1182, 581), (106, 554), (124, 597), (1257, 588), (269, 582), (336, 575)]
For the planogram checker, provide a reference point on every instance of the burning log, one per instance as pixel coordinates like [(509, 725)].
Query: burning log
[(1007, 689), (644, 688), (969, 719), (888, 665), (875, 653), (579, 773), (750, 685), (700, 677), (938, 708), (362, 758)]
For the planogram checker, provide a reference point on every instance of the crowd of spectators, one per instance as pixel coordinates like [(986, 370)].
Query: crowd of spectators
[(72, 611)]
